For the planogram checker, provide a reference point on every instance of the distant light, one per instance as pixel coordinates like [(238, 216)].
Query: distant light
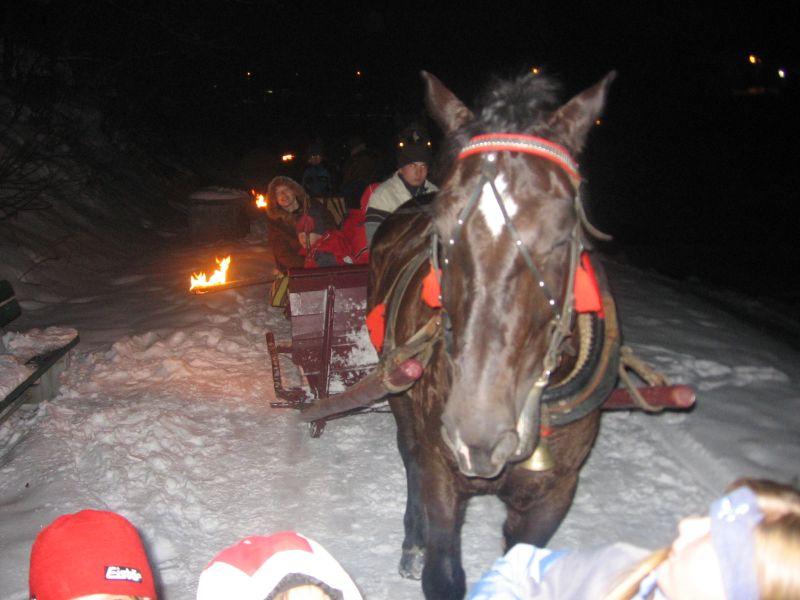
[(428, 144), (535, 70), (287, 157), (781, 73), (598, 121), (248, 74), (400, 144), (753, 59), (358, 73), (269, 92)]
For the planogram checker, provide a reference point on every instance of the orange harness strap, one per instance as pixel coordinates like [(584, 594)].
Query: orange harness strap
[(586, 290), (376, 325), (431, 290)]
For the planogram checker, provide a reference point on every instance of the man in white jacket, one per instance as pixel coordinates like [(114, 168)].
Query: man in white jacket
[(409, 181)]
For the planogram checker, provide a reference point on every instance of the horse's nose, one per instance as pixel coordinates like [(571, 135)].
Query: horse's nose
[(478, 461), (505, 447)]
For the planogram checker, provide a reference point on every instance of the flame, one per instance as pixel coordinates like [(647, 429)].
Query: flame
[(261, 199), (219, 276)]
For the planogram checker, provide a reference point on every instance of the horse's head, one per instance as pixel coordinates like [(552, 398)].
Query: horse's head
[(507, 222)]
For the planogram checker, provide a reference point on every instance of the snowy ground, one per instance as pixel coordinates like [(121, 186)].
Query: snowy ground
[(164, 416)]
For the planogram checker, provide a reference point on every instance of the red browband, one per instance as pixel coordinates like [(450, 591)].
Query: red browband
[(529, 144)]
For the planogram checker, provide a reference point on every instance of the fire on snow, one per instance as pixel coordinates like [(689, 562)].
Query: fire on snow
[(219, 277), (261, 199)]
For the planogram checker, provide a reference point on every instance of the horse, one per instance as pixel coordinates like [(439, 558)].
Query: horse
[(502, 245)]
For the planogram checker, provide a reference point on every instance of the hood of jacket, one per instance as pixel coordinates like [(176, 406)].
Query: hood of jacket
[(274, 210)]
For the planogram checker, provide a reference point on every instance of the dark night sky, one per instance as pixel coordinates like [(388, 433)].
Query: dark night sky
[(680, 155)]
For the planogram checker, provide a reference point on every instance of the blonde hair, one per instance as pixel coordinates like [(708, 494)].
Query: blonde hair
[(304, 592), (776, 538), (628, 583)]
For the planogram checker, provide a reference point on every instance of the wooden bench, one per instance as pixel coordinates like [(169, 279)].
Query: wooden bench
[(42, 384)]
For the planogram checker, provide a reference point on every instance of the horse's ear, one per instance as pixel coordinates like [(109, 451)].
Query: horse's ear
[(573, 120), (447, 110)]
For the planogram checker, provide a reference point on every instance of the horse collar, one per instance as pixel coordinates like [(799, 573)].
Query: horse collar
[(527, 144)]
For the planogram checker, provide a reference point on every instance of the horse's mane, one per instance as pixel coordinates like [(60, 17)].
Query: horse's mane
[(516, 105)]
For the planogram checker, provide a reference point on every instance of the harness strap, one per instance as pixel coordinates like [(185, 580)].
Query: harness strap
[(523, 250), (629, 361), (395, 293), (419, 346), (528, 144), (600, 382), (593, 231)]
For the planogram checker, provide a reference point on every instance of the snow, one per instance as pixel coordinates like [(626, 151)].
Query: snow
[(17, 348), (13, 371), (165, 417), (25, 345)]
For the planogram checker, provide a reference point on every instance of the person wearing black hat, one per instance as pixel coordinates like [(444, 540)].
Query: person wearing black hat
[(409, 181)]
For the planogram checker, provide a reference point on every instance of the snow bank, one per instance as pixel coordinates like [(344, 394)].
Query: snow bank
[(168, 421)]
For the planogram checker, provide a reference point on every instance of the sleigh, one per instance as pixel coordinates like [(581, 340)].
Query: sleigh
[(326, 309), (340, 374)]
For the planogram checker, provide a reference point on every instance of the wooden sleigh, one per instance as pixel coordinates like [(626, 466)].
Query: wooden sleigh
[(327, 309)]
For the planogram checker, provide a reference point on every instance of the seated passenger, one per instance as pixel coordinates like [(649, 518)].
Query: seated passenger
[(282, 566), (409, 181), (361, 168), (317, 179), (90, 555), (287, 203), (323, 247), (354, 228), (748, 547)]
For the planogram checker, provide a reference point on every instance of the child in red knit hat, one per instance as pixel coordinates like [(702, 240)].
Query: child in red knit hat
[(90, 553)]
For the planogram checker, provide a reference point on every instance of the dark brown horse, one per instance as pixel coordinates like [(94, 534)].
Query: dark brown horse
[(506, 232)]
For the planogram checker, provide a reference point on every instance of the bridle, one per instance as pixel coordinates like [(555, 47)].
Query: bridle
[(488, 146)]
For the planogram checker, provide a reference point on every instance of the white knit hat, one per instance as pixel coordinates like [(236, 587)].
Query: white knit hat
[(260, 566)]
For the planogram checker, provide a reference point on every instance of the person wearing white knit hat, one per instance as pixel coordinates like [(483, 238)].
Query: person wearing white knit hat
[(282, 566)]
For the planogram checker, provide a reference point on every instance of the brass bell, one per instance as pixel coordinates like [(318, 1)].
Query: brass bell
[(541, 459)]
